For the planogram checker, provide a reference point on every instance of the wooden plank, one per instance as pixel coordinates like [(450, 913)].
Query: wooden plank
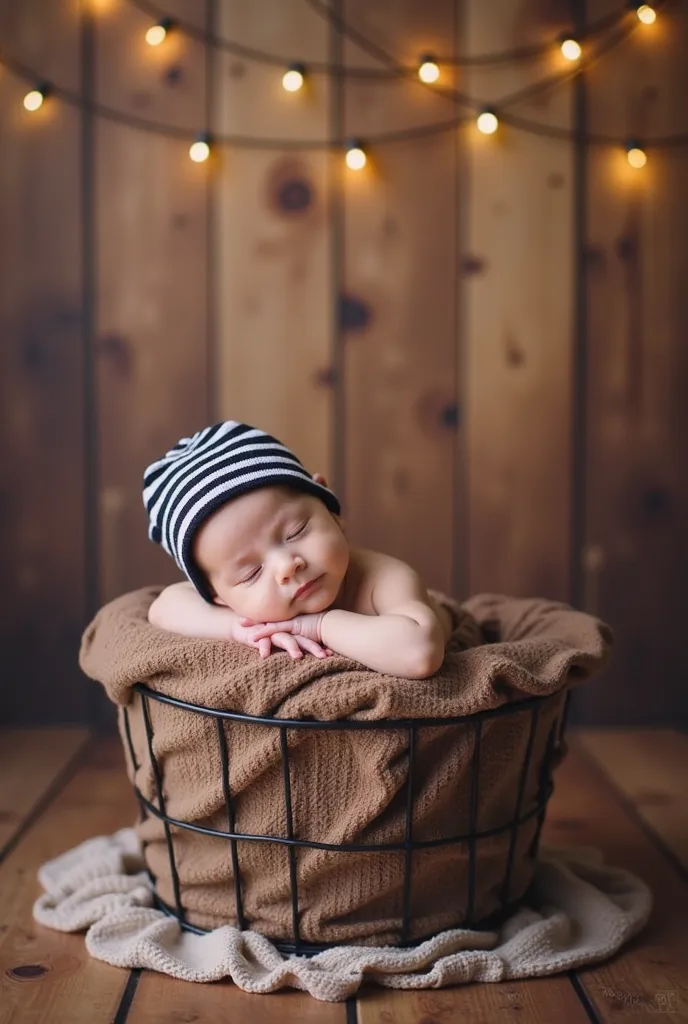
[(273, 307), (30, 762), (48, 976), (649, 974), (637, 488), (151, 344), (159, 999), (650, 767), (540, 1000), (42, 558), (517, 264), (398, 298)]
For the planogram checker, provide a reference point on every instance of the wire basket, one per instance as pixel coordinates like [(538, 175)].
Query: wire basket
[(533, 706)]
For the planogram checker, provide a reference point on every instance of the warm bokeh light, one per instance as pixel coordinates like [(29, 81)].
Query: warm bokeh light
[(355, 158), (487, 122), (293, 79), (156, 34), (646, 14), (34, 99), (636, 156), (199, 151), (571, 49), (428, 71)]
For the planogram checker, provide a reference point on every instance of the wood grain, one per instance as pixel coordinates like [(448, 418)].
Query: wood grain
[(48, 976), (151, 348), (159, 1000), (273, 306), (25, 777), (650, 768), (398, 299), (42, 491), (637, 488), (586, 810), (517, 279)]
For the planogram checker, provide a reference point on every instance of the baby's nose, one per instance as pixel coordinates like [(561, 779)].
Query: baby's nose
[(289, 566)]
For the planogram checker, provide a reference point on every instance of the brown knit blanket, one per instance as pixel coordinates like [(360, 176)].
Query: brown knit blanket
[(346, 787)]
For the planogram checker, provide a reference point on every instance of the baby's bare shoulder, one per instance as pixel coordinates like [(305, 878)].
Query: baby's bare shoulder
[(368, 567)]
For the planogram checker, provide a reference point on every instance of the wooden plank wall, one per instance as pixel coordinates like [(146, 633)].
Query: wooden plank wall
[(416, 331)]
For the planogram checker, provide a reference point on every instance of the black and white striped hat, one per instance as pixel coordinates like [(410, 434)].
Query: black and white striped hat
[(204, 472)]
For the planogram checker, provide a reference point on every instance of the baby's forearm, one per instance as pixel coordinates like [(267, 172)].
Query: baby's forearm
[(180, 609), (393, 644)]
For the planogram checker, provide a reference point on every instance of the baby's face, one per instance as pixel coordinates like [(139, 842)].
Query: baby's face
[(258, 551)]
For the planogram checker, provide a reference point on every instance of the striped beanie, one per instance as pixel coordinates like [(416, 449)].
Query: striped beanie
[(204, 472)]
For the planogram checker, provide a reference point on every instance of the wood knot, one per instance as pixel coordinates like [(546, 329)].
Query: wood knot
[(354, 314), (117, 351), (555, 180), (26, 972), (325, 377), (656, 502), (174, 74), (473, 265), (627, 247), (295, 195), (289, 189)]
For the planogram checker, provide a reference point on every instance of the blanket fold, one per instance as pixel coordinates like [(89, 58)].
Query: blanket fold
[(346, 786)]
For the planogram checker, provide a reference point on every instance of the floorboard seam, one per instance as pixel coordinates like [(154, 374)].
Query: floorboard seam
[(584, 998), (127, 996), (50, 794), (351, 1014)]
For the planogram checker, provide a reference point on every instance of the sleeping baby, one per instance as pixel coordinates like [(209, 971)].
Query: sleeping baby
[(268, 564)]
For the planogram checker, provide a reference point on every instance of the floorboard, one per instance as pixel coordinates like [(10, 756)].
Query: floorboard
[(47, 977), (31, 760), (649, 973)]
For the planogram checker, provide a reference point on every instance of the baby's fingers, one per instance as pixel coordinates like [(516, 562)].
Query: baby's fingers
[(288, 643), (311, 646), (264, 647)]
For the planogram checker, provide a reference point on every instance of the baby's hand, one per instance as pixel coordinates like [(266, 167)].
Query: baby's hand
[(264, 634)]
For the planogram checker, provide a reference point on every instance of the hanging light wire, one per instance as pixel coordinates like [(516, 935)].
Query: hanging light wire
[(155, 12), (400, 135)]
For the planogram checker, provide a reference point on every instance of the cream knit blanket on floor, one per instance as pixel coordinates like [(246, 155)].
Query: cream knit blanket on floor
[(577, 911)]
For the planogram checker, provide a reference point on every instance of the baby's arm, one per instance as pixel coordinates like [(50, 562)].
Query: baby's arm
[(406, 637), (181, 609)]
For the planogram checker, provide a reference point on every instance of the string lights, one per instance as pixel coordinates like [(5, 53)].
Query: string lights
[(356, 158), (571, 48), (428, 71), (487, 122), (646, 14), (635, 154), (199, 150), (487, 119), (157, 34), (34, 99), (293, 78)]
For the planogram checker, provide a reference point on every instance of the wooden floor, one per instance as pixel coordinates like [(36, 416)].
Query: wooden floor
[(624, 791)]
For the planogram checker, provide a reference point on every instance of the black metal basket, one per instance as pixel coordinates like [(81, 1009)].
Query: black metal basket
[(552, 756)]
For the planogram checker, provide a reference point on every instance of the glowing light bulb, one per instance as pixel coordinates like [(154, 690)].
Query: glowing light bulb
[(428, 71), (293, 78), (157, 34), (636, 155), (646, 14), (356, 158), (199, 151), (487, 122), (34, 99), (571, 49)]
